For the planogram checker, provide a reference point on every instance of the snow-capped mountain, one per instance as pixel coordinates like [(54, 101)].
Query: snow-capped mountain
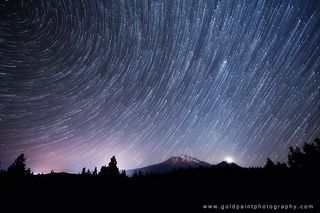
[(175, 162), (185, 161), (181, 162)]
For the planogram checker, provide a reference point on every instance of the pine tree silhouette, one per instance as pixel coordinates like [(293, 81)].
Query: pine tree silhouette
[(307, 157), (18, 167), (83, 172), (88, 172), (270, 164), (111, 170), (95, 171), (123, 173), (281, 165)]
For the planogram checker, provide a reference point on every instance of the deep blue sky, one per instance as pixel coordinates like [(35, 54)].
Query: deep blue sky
[(81, 81)]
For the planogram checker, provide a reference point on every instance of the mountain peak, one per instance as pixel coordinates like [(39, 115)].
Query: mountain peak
[(225, 164), (183, 159), (181, 162)]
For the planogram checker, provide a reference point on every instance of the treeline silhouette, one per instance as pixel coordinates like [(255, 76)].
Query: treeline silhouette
[(18, 168), (293, 182), (307, 157)]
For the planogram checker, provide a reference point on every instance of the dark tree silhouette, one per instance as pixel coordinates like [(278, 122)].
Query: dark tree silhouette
[(103, 170), (281, 165), (307, 157), (123, 173), (270, 164), (95, 171), (111, 170), (88, 172), (83, 172), (18, 167), (295, 158)]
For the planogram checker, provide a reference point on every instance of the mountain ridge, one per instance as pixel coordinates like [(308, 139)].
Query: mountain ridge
[(179, 162)]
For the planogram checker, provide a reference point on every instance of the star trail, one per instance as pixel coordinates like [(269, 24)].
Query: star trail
[(83, 80)]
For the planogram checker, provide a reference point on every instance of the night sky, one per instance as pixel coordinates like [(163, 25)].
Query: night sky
[(83, 80)]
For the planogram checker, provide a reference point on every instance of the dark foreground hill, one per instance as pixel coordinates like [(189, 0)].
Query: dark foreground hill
[(225, 165), (191, 190)]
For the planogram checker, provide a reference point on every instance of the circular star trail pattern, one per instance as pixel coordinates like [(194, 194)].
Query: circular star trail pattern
[(81, 81)]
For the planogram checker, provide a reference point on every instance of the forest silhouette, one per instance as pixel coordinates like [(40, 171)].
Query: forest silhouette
[(293, 182)]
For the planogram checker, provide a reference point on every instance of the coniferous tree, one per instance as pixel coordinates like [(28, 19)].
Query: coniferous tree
[(295, 157), (83, 172), (270, 164), (281, 165), (114, 170), (88, 172), (307, 157), (95, 171), (18, 167), (111, 170), (123, 173)]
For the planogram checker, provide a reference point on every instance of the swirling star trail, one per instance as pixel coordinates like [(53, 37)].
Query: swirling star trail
[(83, 80)]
